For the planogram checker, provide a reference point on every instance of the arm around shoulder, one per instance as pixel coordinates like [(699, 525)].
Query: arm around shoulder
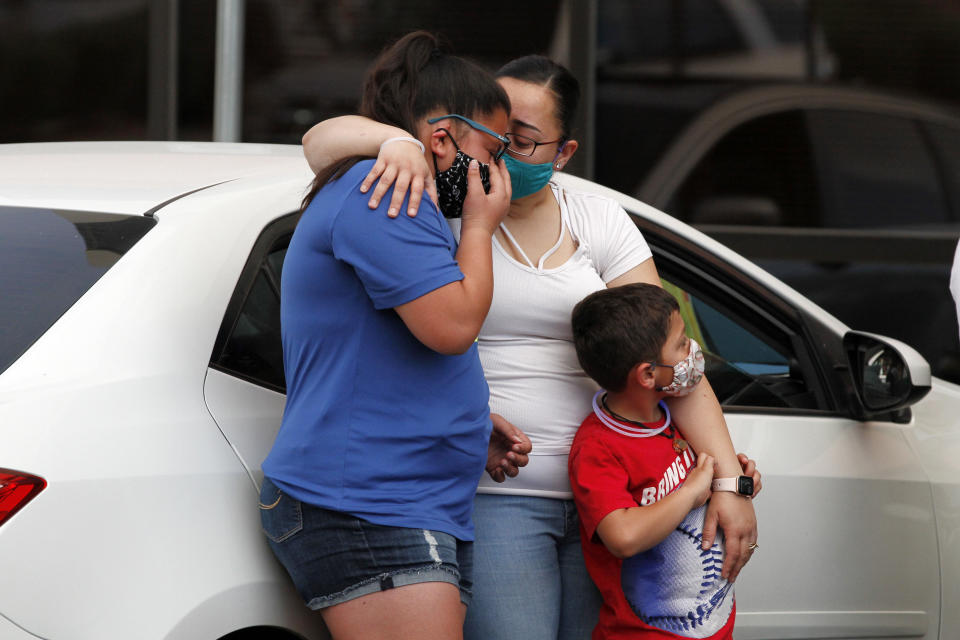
[(335, 139)]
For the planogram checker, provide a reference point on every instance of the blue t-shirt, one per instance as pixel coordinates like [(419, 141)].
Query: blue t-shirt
[(376, 424)]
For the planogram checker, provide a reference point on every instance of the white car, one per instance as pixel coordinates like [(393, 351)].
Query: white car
[(141, 386)]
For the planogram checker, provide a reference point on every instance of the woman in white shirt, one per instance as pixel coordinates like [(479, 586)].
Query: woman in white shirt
[(554, 247)]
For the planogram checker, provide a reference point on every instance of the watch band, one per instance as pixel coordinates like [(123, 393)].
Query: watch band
[(742, 485)]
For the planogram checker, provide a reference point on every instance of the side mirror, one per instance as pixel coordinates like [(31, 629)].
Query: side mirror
[(888, 375)]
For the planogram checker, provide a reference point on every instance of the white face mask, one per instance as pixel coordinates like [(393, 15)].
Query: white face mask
[(686, 373)]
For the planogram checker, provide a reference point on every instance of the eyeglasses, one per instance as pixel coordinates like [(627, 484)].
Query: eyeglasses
[(524, 146), (503, 140)]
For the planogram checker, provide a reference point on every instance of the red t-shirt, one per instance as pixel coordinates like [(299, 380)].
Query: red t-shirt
[(673, 590)]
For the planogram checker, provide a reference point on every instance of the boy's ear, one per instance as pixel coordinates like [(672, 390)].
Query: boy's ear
[(642, 375)]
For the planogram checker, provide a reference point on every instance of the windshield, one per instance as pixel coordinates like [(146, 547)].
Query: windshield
[(48, 259)]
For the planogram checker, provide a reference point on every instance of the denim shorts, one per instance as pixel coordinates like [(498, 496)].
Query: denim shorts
[(334, 557)]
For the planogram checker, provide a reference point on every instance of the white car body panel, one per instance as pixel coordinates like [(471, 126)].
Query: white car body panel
[(117, 407), (838, 496), (104, 419), (936, 440), (10, 631), (128, 177), (247, 414)]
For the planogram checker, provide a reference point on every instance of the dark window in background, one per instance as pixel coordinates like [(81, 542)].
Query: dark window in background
[(305, 60), (946, 144), (767, 159), (708, 29), (908, 45), (637, 121), (628, 31), (692, 39), (874, 171), (78, 69), (826, 168), (785, 18), (73, 70)]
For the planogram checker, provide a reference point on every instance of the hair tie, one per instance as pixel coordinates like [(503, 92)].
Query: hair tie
[(403, 139)]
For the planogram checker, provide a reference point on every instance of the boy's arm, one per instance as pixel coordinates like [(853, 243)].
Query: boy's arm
[(627, 532)]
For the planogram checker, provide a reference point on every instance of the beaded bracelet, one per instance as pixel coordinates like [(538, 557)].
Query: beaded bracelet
[(404, 139)]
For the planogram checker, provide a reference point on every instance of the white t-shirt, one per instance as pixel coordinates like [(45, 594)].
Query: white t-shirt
[(526, 343)]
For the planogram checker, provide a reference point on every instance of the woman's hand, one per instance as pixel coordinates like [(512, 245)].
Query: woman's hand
[(750, 469), (486, 210), (508, 450), (401, 164), (734, 514)]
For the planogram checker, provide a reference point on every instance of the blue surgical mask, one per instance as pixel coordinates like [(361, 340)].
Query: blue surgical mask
[(527, 178)]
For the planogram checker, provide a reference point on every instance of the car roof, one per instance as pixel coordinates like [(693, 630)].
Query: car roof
[(130, 177)]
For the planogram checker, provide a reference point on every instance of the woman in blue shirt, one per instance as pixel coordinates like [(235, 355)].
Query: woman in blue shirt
[(369, 486)]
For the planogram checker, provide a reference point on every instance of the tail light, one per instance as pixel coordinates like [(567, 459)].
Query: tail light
[(16, 490)]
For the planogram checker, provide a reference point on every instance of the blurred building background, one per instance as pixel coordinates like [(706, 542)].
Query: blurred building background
[(820, 138), (144, 69)]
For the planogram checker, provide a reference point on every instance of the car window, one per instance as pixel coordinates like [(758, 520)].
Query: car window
[(629, 30), (874, 171), (249, 345), (48, 259), (665, 29), (785, 17), (760, 173), (708, 30), (253, 348), (749, 363), (946, 143)]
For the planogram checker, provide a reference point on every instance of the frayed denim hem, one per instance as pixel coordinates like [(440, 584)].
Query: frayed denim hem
[(391, 580)]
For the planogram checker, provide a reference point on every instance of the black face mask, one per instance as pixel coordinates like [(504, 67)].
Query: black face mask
[(452, 182)]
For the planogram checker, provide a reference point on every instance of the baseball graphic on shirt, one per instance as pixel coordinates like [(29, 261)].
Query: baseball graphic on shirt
[(676, 585)]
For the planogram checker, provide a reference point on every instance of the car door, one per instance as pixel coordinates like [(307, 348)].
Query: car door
[(848, 547), (245, 386)]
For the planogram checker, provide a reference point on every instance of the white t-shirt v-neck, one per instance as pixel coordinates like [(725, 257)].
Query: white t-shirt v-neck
[(526, 344)]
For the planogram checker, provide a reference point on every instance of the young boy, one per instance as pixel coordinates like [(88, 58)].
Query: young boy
[(639, 488)]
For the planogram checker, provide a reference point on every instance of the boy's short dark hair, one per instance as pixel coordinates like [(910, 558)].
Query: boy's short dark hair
[(615, 329)]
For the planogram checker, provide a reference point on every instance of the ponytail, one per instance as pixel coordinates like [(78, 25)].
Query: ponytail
[(411, 78)]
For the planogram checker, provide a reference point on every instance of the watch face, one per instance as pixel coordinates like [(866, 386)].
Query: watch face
[(745, 485)]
